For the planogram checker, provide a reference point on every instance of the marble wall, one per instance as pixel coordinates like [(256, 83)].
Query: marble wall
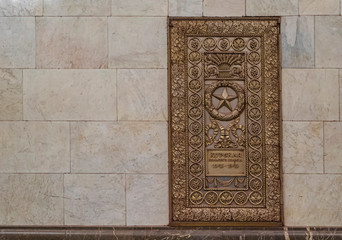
[(83, 113)]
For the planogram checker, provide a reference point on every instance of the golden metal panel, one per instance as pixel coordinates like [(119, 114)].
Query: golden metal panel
[(224, 121)]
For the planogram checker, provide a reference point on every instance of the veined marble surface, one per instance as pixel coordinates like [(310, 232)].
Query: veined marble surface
[(17, 41), (147, 199), (69, 94), (333, 147), (83, 115), (31, 199), (91, 199), (11, 94), (21, 8), (185, 7), (66, 42), (271, 7), (77, 8), (34, 147), (136, 101), (298, 41), (123, 147), (139, 8), (318, 7), (328, 35), (303, 147), (145, 43), (224, 8), (312, 200), (310, 94)]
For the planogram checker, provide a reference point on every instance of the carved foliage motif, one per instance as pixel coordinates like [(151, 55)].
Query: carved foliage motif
[(224, 126), (224, 94)]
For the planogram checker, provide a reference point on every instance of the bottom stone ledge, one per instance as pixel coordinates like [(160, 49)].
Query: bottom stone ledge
[(166, 233)]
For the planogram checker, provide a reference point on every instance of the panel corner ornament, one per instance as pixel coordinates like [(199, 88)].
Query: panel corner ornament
[(224, 117)]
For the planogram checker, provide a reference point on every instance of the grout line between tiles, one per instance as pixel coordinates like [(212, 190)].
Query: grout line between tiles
[(312, 68), (125, 200), (116, 95), (111, 8), (70, 147), (97, 69), (87, 16), (298, 7), (245, 7), (314, 39), (339, 75), (104, 121), (132, 173), (31, 16), (138, 68), (323, 148), (22, 94), (319, 120), (76, 173), (156, 16), (63, 204), (312, 174), (35, 43), (107, 42)]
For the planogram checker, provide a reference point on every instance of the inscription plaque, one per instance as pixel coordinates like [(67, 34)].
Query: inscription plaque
[(224, 121), (225, 162)]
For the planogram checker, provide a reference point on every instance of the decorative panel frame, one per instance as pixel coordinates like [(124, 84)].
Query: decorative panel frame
[(224, 121)]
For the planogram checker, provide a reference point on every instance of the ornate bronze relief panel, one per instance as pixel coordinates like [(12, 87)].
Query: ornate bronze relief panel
[(224, 97)]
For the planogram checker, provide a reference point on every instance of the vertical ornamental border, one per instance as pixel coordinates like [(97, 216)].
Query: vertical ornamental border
[(182, 211)]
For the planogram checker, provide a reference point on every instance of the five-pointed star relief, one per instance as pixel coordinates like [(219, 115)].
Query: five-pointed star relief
[(225, 99)]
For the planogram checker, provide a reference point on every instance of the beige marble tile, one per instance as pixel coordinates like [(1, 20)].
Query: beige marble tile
[(124, 147), (17, 42), (66, 42), (328, 37), (11, 94), (271, 7), (310, 94), (319, 7), (77, 8), (137, 42), (69, 94), (224, 8), (333, 147), (185, 7), (312, 200), (139, 8), (31, 199), (94, 199), (298, 41), (142, 94), (303, 147), (147, 199), (34, 147), (21, 8)]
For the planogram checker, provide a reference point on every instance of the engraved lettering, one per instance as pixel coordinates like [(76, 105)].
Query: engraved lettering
[(225, 162)]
